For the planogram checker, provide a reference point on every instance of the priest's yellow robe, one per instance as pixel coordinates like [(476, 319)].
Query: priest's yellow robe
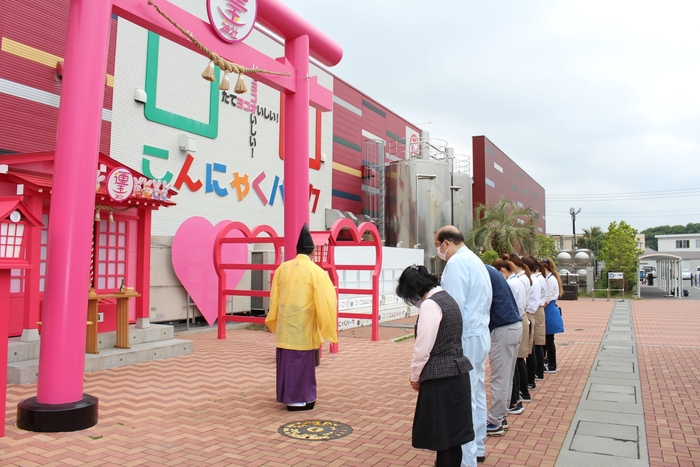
[(303, 305)]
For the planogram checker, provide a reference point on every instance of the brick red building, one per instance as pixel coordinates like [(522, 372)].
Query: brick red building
[(496, 176)]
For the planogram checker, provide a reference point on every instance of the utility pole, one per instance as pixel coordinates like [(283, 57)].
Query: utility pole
[(573, 213)]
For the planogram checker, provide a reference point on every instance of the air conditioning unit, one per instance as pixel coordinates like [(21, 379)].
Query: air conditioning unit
[(260, 280)]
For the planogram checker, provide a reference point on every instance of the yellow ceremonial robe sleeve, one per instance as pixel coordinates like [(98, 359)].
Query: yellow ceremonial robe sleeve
[(326, 307), (271, 319)]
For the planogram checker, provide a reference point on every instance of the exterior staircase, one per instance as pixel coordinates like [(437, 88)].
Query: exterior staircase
[(152, 343)]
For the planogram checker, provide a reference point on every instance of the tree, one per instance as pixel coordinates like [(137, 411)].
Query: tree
[(504, 228), (488, 257), (619, 251), (591, 239), (546, 247)]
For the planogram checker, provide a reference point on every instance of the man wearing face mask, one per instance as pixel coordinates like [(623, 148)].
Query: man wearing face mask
[(466, 279)]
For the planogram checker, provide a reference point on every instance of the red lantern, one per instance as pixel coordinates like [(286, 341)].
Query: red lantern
[(15, 220)]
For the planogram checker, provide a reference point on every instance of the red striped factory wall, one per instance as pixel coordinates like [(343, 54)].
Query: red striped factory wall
[(347, 128), (29, 30)]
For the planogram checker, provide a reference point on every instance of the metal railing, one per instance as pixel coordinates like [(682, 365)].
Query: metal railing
[(593, 291)]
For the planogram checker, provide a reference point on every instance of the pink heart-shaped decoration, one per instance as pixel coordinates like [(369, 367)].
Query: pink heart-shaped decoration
[(193, 262)]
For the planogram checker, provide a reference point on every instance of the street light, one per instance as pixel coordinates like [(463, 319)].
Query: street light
[(573, 213)]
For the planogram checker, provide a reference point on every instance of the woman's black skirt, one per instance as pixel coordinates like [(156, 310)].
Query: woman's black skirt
[(443, 416)]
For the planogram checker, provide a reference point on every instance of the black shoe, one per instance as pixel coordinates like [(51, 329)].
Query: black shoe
[(299, 408), (549, 369), (525, 397), (539, 378), (517, 409), (504, 424), (480, 459), (532, 386)]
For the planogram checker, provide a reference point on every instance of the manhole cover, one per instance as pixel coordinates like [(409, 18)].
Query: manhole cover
[(315, 430)]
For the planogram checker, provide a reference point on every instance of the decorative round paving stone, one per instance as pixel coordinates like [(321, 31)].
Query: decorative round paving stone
[(315, 430)]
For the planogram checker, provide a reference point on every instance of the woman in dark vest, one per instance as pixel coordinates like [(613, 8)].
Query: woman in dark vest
[(439, 370)]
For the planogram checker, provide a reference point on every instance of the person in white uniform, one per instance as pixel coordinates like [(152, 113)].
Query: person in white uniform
[(466, 279)]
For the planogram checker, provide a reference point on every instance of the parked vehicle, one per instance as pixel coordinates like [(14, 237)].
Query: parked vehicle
[(685, 273)]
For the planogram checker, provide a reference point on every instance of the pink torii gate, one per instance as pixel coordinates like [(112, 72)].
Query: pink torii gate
[(60, 404)]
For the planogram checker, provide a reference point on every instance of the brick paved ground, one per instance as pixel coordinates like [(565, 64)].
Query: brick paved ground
[(668, 342), (217, 407)]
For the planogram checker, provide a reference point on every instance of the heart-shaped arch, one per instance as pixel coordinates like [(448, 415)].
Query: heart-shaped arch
[(357, 233), (259, 234)]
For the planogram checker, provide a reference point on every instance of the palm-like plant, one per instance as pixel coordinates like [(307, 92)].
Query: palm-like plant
[(503, 227), (592, 239)]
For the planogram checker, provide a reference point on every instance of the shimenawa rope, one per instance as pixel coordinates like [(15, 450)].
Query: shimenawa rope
[(215, 59)]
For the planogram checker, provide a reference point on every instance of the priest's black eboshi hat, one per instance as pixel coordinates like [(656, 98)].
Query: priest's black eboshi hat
[(305, 244)]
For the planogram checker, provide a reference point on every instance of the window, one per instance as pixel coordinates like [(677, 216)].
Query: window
[(16, 280), (697, 243), (514, 188), (44, 251), (498, 167), (490, 183), (682, 243), (110, 249), (17, 276), (525, 191)]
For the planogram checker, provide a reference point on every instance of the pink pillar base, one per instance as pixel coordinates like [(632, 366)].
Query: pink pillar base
[(54, 418)]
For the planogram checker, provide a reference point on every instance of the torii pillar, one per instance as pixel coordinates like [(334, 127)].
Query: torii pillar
[(60, 404), (302, 41)]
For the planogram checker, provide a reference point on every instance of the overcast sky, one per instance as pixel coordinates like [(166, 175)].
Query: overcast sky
[(589, 98)]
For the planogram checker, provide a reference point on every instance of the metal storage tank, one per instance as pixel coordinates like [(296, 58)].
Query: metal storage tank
[(564, 260), (418, 203), (462, 214)]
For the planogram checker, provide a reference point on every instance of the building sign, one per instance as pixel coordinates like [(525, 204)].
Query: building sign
[(120, 184), (412, 143), (415, 148), (616, 275), (233, 20), (242, 184)]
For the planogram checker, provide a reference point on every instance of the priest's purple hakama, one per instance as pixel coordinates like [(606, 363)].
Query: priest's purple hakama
[(303, 311), (296, 376)]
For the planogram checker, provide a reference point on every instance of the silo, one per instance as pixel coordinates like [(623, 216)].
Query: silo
[(418, 203)]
